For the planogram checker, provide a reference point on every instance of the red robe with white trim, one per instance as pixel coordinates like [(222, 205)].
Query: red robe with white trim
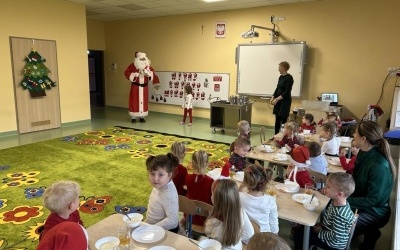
[(139, 95)]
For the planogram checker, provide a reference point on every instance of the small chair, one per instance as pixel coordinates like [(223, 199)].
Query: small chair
[(353, 227), (318, 178), (255, 226), (201, 209), (188, 207)]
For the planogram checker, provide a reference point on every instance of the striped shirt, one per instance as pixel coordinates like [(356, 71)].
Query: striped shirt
[(336, 225)]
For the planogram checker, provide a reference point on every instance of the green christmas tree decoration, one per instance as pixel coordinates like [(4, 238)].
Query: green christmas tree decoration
[(35, 75)]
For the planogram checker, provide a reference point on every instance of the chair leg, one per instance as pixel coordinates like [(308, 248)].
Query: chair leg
[(189, 226)]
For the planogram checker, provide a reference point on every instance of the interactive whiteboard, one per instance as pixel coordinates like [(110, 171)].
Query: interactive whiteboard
[(257, 67)]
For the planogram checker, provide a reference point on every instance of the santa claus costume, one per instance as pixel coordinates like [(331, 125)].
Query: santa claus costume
[(139, 73)]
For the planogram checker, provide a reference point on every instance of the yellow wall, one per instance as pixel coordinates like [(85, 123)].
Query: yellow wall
[(95, 35), (50, 20), (351, 45)]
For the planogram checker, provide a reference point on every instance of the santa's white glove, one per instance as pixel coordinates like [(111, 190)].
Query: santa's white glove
[(147, 72), (133, 76)]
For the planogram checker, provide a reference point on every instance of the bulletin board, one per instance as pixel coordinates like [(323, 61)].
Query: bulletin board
[(204, 85)]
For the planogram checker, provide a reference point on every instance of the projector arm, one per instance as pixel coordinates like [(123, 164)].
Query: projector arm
[(276, 33)]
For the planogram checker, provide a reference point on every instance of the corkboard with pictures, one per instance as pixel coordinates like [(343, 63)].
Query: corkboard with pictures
[(204, 85)]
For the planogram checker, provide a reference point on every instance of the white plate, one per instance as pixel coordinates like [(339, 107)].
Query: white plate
[(280, 157), (215, 173), (266, 149), (335, 161), (148, 234), (238, 178), (162, 248), (303, 198), (284, 188), (107, 243)]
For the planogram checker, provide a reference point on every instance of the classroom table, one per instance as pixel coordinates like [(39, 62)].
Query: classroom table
[(109, 226), (271, 157)]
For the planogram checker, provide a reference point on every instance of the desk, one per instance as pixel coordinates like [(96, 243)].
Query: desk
[(109, 226), (226, 116), (269, 157)]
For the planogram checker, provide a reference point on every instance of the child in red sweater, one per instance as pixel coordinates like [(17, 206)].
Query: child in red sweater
[(299, 161), (199, 184), (62, 199), (180, 172), (348, 166), (307, 123)]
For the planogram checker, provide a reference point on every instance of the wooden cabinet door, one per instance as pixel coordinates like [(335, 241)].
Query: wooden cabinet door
[(38, 113)]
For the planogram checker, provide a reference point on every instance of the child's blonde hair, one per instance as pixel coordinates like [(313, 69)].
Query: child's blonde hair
[(243, 127), (200, 161), (267, 240), (292, 126), (256, 177), (241, 142), (330, 127), (60, 195), (344, 182), (178, 149), (226, 208)]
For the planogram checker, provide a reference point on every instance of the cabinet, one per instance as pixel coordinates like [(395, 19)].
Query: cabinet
[(224, 115)]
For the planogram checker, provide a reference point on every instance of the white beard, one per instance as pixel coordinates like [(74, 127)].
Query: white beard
[(141, 65)]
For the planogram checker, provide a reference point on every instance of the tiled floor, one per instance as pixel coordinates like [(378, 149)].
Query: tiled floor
[(103, 118)]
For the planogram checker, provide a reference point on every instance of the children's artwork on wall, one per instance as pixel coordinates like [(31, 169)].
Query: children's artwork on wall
[(204, 86)]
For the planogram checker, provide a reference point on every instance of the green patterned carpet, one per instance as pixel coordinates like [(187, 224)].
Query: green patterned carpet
[(109, 165)]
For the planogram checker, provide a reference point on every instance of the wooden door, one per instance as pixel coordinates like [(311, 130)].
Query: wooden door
[(35, 113)]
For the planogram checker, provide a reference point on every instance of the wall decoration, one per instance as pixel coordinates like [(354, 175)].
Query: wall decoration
[(35, 75), (205, 85), (220, 29)]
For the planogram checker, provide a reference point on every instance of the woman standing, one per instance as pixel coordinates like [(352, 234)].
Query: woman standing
[(282, 99), (374, 173)]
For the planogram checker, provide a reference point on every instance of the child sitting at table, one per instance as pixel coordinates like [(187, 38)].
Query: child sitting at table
[(267, 241), (307, 123), (243, 130), (163, 206), (348, 166), (228, 223), (199, 184), (288, 141), (238, 158), (299, 161), (330, 145), (260, 207), (180, 172), (62, 199), (337, 220), (331, 117), (318, 161)]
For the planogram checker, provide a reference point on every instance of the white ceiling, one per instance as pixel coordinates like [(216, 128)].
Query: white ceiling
[(111, 10)]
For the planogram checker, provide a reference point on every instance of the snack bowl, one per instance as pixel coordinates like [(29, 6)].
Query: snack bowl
[(210, 244), (107, 243), (291, 186), (135, 219), (266, 149), (311, 206)]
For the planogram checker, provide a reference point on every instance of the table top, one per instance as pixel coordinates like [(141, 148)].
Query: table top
[(109, 226), (271, 157)]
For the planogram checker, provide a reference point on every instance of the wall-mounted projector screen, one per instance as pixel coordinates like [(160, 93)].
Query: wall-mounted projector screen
[(257, 67)]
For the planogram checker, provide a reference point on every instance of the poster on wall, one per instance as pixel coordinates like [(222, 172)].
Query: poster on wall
[(204, 86)]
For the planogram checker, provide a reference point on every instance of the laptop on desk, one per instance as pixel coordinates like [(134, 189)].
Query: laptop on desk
[(330, 97)]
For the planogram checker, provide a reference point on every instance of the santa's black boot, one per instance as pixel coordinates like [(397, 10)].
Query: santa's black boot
[(142, 120), (133, 120)]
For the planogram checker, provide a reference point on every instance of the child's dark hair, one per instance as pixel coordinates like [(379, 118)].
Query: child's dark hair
[(309, 117), (256, 177), (166, 162), (314, 148), (344, 182), (188, 89), (242, 142)]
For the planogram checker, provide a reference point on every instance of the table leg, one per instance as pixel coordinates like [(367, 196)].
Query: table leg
[(306, 237)]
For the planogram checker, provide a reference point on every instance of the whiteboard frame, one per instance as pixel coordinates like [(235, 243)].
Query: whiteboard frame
[(303, 61), (395, 109)]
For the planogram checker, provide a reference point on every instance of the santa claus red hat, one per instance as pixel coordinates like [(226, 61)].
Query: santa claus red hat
[(300, 156), (139, 54), (225, 170)]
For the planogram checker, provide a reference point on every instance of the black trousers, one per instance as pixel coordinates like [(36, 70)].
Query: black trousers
[(279, 120), (369, 224)]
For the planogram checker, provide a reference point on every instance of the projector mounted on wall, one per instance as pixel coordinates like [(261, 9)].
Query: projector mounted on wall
[(252, 33)]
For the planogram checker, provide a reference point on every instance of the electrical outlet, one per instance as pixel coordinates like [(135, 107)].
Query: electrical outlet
[(394, 71)]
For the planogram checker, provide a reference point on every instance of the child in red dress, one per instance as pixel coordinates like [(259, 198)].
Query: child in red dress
[(62, 199), (199, 184), (348, 166), (307, 123), (180, 172)]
